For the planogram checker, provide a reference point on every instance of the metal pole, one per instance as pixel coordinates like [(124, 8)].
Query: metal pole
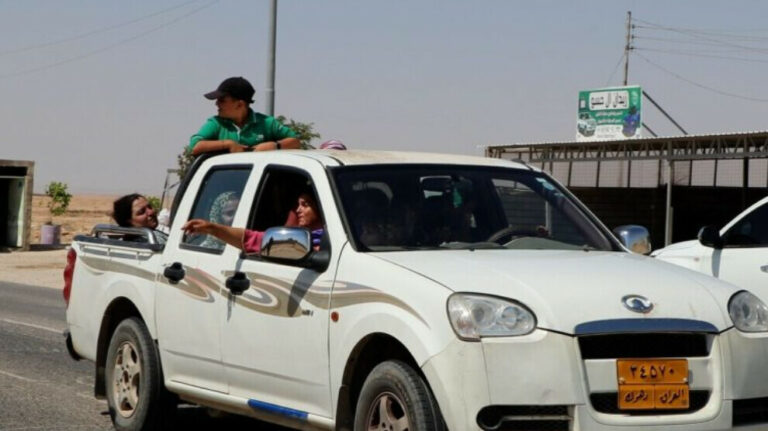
[(670, 180), (269, 92), (745, 183), (627, 47), (645, 126), (664, 112)]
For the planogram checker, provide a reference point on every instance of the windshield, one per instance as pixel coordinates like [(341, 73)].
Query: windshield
[(406, 207)]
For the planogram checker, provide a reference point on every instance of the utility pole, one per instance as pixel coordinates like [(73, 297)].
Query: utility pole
[(627, 47), (270, 90)]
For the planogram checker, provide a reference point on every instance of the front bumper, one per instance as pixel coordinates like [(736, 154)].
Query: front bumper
[(521, 374)]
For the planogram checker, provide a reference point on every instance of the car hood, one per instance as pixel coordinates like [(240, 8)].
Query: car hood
[(566, 288), (677, 247)]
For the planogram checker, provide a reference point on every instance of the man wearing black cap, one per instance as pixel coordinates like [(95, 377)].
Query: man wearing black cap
[(237, 127)]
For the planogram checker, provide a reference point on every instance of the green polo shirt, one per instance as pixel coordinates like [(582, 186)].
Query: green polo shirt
[(259, 128)]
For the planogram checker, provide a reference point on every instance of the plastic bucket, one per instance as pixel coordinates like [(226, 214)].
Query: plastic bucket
[(50, 234)]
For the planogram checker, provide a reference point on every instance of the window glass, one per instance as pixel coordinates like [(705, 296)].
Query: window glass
[(752, 230), (453, 207), (278, 198), (217, 201), (530, 213)]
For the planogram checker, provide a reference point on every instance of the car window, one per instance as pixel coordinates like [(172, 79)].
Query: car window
[(750, 231), (277, 197), (390, 208), (527, 213), (217, 201), (277, 200)]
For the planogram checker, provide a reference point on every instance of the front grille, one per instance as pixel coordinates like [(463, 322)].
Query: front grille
[(524, 418), (608, 402), (751, 411), (661, 345)]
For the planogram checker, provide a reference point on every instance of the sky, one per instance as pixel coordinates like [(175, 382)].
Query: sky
[(104, 94)]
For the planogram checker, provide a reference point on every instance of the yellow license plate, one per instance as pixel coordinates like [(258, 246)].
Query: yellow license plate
[(649, 384), (654, 397)]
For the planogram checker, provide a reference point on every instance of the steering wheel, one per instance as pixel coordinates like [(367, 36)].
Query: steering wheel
[(513, 232)]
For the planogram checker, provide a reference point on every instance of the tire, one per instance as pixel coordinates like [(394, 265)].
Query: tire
[(136, 395), (395, 397)]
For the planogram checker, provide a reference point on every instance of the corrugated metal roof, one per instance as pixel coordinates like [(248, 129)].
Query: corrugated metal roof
[(702, 137)]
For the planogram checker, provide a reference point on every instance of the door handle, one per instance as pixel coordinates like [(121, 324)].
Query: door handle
[(174, 273), (238, 283), (764, 268)]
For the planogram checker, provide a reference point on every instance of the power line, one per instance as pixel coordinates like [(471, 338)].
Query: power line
[(701, 30), (93, 32), (693, 42), (615, 68), (693, 54), (714, 90), (110, 46), (716, 41)]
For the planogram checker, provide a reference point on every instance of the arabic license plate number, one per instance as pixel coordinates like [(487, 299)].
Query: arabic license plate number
[(647, 371), (653, 384)]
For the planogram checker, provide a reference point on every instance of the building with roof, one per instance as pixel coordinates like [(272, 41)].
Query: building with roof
[(672, 185), (16, 181)]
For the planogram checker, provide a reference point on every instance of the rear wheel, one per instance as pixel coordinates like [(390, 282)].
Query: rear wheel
[(394, 397), (136, 396)]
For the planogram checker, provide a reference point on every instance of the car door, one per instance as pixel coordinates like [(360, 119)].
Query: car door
[(743, 260), (188, 311), (275, 334)]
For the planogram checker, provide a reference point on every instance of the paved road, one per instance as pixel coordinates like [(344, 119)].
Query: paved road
[(41, 388)]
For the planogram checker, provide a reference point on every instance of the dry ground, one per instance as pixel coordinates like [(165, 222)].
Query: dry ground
[(84, 212), (44, 268)]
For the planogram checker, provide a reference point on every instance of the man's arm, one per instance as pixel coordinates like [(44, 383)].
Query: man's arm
[(228, 234), (285, 144), (206, 140), (278, 132), (222, 145)]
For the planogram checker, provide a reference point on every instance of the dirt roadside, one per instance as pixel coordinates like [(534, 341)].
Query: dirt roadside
[(36, 268), (45, 268)]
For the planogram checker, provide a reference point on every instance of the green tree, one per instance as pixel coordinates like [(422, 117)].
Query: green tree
[(305, 131), (59, 197), (154, 201)]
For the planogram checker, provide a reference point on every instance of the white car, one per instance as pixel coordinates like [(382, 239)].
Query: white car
[(737, 253), (445, 292)]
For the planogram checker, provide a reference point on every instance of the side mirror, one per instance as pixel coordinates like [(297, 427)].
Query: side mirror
[(293, 245), (709, 236), (634, 237), (286, 244)]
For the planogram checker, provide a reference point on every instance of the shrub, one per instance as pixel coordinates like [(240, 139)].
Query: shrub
[(154, 201), (59, 197)]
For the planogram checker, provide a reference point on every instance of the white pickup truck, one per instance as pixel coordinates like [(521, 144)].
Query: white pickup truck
[(448, 292), (737, 253)]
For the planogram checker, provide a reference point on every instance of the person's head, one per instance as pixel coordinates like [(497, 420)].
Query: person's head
[(223, 208), (307, 210), (134, 210), (233, 97), (333, 144)]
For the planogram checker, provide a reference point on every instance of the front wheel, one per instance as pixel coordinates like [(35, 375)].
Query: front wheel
[(396, 398), (136, 396)]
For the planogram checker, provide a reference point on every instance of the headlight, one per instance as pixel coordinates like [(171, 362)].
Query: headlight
[(749, 314), (477, 316)]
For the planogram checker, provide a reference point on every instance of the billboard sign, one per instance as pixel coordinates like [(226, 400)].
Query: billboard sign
[(609, 114)]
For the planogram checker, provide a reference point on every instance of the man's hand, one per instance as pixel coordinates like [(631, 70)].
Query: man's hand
[(234, 147), (265, 146), (197, 226)]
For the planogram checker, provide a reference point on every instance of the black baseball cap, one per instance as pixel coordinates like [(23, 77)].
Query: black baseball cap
[(236, 87)]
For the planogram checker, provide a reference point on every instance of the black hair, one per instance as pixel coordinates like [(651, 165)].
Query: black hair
[(122, 209)]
